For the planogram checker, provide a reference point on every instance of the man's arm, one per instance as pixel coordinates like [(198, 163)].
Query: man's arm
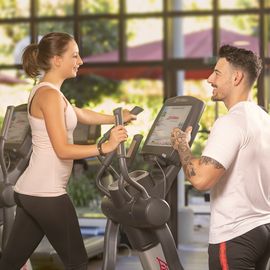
[(204, 172)]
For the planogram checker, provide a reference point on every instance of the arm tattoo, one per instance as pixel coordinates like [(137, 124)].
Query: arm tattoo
[(211, 161), (186, 160), (189, 163), (179, 142)]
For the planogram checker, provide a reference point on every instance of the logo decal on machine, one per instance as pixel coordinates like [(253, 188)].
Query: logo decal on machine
[(162, 264)]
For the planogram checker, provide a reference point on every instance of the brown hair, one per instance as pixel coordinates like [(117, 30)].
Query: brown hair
[(36, 57), (243, 59)]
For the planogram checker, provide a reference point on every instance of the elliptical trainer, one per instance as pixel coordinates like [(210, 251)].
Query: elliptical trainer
[(136, 200)]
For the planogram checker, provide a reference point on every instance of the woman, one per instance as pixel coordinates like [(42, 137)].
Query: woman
[(43, 206)]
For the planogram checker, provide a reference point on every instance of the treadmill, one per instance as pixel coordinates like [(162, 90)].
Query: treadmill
[(16, 148)]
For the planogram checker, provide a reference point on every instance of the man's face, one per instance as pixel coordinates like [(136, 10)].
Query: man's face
[(221, 80)]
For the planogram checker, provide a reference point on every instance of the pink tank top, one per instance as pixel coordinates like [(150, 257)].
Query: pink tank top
[(46, 174)]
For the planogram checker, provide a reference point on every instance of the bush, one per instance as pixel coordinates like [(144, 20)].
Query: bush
[(82, 190)]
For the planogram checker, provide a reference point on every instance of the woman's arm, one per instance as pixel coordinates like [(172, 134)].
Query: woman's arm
[(89, 117), (52, 106)]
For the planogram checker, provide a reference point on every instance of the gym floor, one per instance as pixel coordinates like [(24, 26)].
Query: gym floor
[(193, 254)]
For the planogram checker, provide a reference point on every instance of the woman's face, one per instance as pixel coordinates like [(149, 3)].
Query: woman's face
[(70, 60)]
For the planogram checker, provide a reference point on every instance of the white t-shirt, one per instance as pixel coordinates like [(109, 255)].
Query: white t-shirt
[(240, 201), (46, 174)]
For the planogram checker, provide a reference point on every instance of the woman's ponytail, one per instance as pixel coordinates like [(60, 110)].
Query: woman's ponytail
[(29, 60)]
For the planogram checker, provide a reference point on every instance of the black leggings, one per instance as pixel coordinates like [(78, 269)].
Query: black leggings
[(54, 217), (250, 251)]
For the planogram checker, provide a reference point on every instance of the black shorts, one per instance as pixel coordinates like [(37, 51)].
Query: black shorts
[(250, 251)]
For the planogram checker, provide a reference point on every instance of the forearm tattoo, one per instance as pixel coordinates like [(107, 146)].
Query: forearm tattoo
[(186, 160), (211, 161), (179, 141)]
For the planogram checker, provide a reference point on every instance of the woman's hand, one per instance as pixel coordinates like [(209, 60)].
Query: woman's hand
[(118, 134), (128, 117)]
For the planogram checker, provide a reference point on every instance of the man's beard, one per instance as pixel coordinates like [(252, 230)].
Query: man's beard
[(215, 98)]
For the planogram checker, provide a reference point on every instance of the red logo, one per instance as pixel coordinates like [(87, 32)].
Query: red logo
[(163, 265)]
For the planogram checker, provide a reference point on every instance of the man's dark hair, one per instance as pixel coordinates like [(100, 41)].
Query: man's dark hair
[(244, 59)]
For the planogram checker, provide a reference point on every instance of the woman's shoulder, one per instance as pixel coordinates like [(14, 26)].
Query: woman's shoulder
[(46, 88)]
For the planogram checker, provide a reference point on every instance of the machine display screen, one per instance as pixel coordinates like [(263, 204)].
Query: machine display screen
[(18, 128), (171, 117)]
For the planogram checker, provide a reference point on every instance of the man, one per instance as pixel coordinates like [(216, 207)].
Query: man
[(234, 166)]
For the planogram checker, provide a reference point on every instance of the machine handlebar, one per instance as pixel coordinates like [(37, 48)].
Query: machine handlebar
[(121, 151), (7, 122), (3, 138), (107, 160), (136, 110)]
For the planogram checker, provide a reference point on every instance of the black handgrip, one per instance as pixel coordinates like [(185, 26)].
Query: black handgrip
[(136, 110), (7, 122), (118, 116), (121, 151), (133, 149)]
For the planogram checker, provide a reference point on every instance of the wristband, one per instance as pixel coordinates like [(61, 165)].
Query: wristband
[(100, 149)]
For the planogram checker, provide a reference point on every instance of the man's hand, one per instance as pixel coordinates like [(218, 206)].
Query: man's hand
[(179, 137)]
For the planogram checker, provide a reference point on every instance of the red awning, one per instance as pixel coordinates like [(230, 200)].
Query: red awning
[(196, 44), (7, 79)]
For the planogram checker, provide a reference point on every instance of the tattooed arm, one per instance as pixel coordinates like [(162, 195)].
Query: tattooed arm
[(203, 172)]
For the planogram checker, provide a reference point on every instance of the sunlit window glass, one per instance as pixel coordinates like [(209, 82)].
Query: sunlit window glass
[(142, 6), (241, 31), (51, 26), (14, 89), (192, 37), (267, 87), (97, 7), (267, 3), (99, 40), (267, 35), (184, 5), (13, 9), (144, 39), (236, 4), (14, 37), (55, 7)]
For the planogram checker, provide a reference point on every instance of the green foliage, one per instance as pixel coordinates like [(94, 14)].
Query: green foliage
[(83, 89), (99, 36), (247, 23), (1, 122), (9, 9), (247, 3), (199, 142), (101, 6), (82, 190), (50, 8)]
